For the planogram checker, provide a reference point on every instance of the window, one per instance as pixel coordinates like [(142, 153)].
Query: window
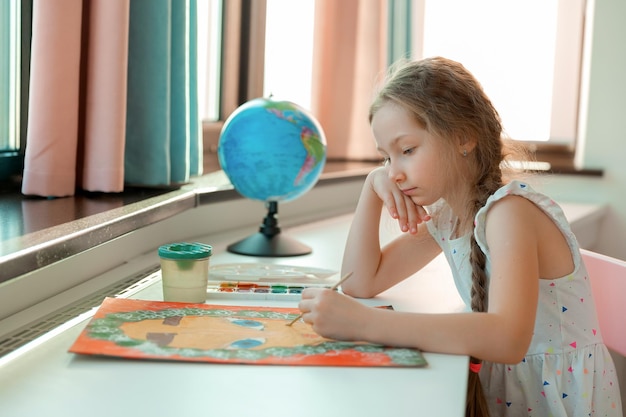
[(243, 45), (209, 58), (219, 24), (527, 54), (15, 19), (257, 36), (289, 50), (9, 75)]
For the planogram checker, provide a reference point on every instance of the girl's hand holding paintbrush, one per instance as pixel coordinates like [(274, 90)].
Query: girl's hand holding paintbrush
[(332, 314), (333, 288)]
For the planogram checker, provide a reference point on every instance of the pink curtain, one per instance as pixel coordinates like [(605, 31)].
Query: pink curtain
[(349, 60), (77, 104)]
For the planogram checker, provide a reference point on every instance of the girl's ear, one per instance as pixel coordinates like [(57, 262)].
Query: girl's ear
[(466, 145)]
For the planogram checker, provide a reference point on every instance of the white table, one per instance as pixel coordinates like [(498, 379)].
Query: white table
[(48, 381)]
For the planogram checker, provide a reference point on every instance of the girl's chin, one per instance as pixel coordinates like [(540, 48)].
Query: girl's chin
[(422, 201)]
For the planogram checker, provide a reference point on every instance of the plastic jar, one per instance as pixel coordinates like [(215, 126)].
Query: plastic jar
[(185, 271)]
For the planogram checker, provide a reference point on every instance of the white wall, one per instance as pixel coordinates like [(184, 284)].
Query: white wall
[(603, 124)]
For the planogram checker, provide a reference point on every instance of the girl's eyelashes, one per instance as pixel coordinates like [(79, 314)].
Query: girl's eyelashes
[(406, 151)]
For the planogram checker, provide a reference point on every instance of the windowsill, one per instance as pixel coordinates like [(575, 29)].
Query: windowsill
[(569, 169), (561, 161), (55, 229)]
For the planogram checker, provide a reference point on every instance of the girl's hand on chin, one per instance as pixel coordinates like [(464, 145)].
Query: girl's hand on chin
[(400, 206)]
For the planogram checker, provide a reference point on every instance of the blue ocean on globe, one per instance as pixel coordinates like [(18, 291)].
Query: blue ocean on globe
[(272, 150)]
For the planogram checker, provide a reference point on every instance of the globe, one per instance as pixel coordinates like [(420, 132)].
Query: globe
[(272, 150)]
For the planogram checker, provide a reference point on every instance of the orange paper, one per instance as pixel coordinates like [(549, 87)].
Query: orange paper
[(138, 329)]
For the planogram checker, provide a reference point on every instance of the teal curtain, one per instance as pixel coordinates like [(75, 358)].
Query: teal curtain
[(399, 41), (163, 136), (195, 122)]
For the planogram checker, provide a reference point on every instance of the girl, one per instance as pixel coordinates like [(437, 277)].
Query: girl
[(513, 256)]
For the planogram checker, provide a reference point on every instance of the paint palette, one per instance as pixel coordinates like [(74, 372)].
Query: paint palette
[(265, 281)]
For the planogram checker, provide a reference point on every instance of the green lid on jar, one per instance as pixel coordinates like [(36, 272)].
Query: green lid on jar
[(184, 250)]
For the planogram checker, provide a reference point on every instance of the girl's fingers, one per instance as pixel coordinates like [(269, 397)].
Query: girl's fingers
[(403, 213), (399, 206), (390, 205), (307, 299), (423, 214), (414, 218), (412, 215)]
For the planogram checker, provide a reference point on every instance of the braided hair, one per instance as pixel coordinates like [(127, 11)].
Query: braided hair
[(447, 101)]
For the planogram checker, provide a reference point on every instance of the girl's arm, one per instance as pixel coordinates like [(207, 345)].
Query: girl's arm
[(516, 235), (377, 269), (515, 230)]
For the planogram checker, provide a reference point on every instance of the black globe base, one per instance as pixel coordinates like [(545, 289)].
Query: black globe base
[(269, 241), (271, 246)]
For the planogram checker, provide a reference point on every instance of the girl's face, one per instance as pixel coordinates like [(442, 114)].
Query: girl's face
[(415, 160)]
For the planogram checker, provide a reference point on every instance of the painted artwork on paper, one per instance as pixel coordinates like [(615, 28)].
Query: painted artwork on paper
[(139, 329)]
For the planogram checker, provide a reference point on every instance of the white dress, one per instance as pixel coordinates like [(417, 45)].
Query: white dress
[(567, 370)]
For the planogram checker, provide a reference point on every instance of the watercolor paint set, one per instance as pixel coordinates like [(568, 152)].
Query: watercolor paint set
[(263, 291), (265, 281)]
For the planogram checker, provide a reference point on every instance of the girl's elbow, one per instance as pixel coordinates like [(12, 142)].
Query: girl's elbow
[(515, 356), (515, 351), (357, 291)]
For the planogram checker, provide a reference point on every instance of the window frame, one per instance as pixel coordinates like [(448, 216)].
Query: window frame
[(12, 162), (563, 156), (560, 155), (242, 72), (243, 64)]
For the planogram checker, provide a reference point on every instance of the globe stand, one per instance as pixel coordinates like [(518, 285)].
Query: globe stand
[(269, 241)]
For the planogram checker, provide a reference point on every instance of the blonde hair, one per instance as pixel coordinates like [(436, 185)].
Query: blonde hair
[(448, 102)]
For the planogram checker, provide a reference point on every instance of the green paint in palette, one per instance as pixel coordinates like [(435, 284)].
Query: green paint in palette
[(279, 289), (243, 289)]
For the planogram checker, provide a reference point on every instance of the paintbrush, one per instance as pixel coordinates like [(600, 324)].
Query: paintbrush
[(333, 288)]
